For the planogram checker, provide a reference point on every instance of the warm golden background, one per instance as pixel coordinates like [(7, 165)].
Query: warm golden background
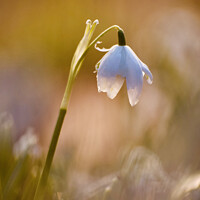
[(37, 42)]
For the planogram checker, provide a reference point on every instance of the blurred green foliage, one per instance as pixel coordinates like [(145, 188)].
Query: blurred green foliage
[(16, 174)]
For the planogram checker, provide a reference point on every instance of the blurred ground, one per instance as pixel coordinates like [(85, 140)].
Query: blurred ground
[(37, 42)]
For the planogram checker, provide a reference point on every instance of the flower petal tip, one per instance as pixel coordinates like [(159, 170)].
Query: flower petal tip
[(149, 81), (110, 85), (147, 73), (133, 97), (111, 95), (99, 89)]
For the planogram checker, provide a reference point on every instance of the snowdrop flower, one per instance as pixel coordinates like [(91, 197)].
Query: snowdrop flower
[(119, 64)]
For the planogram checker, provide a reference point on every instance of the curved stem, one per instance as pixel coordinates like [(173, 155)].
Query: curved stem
[(74, 73), (77, 68), (103, 33)]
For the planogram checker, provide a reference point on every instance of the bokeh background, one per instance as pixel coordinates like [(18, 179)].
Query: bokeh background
[(37, 42)]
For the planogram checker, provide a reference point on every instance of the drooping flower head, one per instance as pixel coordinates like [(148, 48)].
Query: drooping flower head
[(120, 63)]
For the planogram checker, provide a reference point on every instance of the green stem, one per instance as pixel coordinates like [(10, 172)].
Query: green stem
[(40, 190), (66, 96), (43, 179)]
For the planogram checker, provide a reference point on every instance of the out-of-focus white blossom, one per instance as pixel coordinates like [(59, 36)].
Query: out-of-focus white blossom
[(27, 143)]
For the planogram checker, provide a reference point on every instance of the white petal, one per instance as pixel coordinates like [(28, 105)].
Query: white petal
[(110, 85), (147, 72), (109, 64), (134, 84), (134, 76), (109, 77), (133, 96)]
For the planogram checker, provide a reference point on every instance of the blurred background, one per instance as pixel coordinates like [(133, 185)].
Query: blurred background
[(37, 43)]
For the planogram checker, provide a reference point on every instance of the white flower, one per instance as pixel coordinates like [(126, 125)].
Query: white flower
[(118, 64), (27, 143)]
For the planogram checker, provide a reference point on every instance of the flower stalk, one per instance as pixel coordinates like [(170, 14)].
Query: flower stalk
[(77, 61), (45, 173)]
